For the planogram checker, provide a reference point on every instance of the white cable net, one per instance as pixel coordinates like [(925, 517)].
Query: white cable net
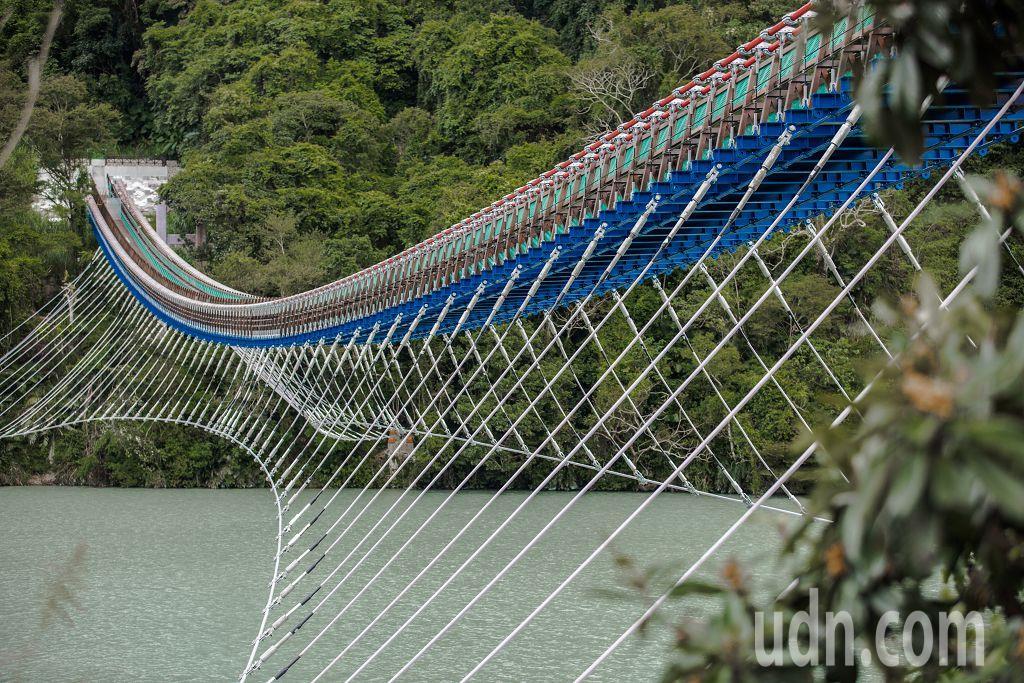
[(643, 386)]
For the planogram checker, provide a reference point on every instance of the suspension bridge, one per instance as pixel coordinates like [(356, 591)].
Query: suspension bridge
[(491, 342)]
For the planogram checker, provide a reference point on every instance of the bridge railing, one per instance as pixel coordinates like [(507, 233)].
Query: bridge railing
[(762, 79), (202, 283), (778, 71)]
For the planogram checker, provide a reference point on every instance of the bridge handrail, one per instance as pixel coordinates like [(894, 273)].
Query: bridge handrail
[(120, 191), (761, 79)]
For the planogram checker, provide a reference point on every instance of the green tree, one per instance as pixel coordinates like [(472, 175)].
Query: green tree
[(67, 127), (492, 84), (635, 56), (926, 489)]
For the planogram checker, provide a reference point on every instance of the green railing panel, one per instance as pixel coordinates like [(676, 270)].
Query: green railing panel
[(699, 113), (867, 17), (662, 138), (839, 33), (787, 63), (742, 86), (680, 128), (164, 263), (718, 106), (812, 48), (764, 75), (645, 145), (143, 247)]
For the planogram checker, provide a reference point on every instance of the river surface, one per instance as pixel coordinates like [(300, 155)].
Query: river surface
[(168, 585)]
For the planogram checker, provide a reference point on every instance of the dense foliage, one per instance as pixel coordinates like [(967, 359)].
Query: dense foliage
[(319, 137), (924, 495)]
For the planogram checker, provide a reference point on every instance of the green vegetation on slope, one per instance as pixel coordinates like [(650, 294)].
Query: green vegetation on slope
[(320, 137)]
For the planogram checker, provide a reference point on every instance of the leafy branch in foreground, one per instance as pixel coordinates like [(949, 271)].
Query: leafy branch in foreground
[(926, 495), (969, 43)]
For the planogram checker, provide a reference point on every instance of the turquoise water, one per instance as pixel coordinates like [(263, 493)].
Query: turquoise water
[(168, 585)]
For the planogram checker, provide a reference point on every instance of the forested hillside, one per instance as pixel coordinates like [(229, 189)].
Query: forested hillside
[(319, 137)]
